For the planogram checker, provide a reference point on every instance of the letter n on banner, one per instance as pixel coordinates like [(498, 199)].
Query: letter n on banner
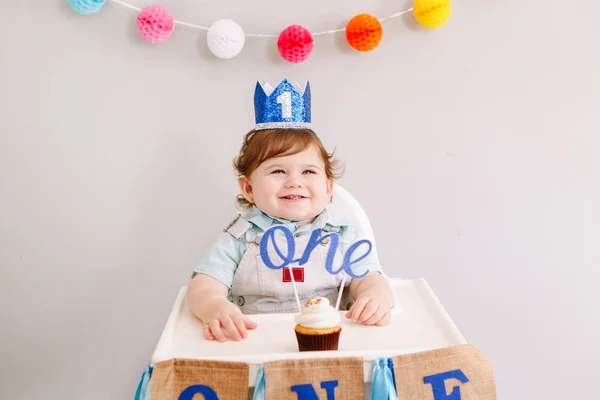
[(315, 379), (179, 379), (452, 373)]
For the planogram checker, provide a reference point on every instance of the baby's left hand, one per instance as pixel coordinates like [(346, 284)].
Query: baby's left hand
[(372, 307)]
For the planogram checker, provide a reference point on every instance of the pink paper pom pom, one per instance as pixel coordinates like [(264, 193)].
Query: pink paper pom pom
[(295, 43), (155, 24)]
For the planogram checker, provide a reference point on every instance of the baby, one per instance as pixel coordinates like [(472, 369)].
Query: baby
[(286, 178)]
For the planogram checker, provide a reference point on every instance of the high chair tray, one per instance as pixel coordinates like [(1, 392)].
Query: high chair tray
[(420, 323)]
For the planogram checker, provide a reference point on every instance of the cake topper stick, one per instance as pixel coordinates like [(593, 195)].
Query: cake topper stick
[(295, 288), (339, 298)]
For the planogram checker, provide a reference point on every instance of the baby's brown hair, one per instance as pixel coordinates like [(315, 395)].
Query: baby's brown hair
[(262, 145)]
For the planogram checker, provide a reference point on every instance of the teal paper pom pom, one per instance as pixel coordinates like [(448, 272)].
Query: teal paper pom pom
[(86, 7)]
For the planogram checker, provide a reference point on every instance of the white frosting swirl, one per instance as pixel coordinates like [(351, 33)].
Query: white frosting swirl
[(318, 313)]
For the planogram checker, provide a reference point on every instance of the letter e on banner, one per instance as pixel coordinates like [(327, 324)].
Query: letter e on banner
[(438, 384), (450, 373)]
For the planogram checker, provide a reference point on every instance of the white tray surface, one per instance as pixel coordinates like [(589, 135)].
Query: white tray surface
[(419, 324)]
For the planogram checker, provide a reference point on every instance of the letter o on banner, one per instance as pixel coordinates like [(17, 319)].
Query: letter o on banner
[(178, 379), (206, 391)]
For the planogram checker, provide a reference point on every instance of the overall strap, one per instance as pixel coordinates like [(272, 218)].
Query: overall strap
[(238, 227), (328, 228)]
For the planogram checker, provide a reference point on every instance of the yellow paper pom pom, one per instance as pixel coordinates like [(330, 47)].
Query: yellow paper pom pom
[(432, 13)]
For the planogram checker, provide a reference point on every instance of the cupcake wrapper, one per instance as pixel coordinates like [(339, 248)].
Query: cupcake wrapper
[(324, 342)]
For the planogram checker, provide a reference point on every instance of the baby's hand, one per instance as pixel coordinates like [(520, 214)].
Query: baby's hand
[(371, 308), (227, 318)]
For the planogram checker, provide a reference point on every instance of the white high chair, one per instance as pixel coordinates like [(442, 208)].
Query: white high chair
[(419, 323)]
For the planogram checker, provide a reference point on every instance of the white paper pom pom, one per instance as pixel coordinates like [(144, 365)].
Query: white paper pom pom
[(225, 39)]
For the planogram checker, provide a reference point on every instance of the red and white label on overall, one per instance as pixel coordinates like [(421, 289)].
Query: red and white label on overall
[(298, 274)]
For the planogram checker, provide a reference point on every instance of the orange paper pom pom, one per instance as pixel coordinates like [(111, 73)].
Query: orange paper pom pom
[(364, 32)]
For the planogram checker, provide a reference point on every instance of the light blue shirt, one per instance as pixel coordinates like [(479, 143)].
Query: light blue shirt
[(223, 257)]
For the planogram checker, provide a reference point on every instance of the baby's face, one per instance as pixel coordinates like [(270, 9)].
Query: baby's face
[(292, 187)]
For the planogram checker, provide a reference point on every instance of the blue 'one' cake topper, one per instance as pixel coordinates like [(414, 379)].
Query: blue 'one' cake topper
[(286, 106), (314, 241)]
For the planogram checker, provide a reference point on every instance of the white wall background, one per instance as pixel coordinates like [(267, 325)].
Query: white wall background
[(474, 149)]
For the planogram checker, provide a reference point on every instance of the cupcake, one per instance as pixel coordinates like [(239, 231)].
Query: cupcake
[(318, 326)]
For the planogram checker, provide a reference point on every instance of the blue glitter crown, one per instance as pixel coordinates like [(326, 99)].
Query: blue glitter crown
[(286, 106)]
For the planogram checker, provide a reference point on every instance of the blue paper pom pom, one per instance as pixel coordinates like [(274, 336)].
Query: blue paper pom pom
[(86, 7)]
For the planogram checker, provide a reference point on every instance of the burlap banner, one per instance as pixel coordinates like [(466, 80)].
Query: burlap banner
[(452, 373), (335, 378), (197, 379)]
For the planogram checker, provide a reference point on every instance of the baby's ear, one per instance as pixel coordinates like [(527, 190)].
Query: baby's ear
[(330, 187), (246, 188)]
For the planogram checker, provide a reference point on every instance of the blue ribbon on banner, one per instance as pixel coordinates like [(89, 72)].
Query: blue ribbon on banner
[(391, 367), (259, 388), (143, 389), (383, 381)]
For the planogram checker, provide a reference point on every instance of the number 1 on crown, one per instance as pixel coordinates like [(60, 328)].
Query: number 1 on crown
[(285, 99)]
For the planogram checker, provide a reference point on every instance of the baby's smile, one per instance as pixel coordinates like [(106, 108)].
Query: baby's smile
[(293, 197)]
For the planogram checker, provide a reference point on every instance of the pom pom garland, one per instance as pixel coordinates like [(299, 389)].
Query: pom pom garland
[(432, 14), (86, 7), (295, 43), (155, 24), (364, 32), (226, 39)]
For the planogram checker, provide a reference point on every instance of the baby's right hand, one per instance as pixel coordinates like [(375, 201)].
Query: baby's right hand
[(227, 318)]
